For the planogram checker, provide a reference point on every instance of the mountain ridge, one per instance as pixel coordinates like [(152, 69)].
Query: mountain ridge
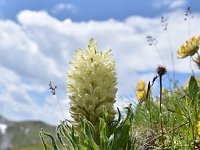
[(19, 134)]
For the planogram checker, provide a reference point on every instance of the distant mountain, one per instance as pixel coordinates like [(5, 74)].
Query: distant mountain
[(4, 120), (22, 135)]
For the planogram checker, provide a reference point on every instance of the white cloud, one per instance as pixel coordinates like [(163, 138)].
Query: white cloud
[(169, 3), (39, 48), (63, 7), (17, 104)]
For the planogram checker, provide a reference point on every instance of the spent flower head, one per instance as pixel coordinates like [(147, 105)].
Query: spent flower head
[(161, 70)]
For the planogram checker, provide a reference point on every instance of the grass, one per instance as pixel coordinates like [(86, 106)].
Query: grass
[(29, 147)]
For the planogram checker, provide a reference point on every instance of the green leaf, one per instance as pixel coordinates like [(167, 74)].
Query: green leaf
[(193, 87), (121, 133), (53, 142), (59, 136), (103, 137), (81, 147), (92, 144), (112, 126), (46, 146), (66, 134)]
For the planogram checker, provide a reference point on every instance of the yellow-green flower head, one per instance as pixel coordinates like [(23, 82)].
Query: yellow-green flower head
[(190, 48), (198, 128), (141, 85), (92, 83), (141, 95), (141, 90), (164, 90)]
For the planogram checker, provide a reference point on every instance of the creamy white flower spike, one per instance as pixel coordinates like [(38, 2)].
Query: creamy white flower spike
[(92, 84)]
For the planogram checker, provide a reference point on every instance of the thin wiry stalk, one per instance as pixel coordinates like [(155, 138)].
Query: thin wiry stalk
[(60, 107), (189, 26), (161, 118), (54, 93), (167, 73), (191, 66), (161, 70), (158, 50), (164, 24), (171, 54), (152, 41), (188, 18)]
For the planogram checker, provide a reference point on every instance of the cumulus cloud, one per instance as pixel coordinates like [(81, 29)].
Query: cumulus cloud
[(39, 47)]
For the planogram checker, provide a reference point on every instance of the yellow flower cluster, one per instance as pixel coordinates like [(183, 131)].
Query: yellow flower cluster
[(190, 48), (198, 128), (141, 90)]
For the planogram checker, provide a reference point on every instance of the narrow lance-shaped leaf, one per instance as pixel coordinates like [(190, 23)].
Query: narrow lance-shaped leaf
[(103, 136), (46, 146), (53, 142), (193, 87)]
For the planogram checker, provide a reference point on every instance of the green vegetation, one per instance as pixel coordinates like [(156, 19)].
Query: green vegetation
[(168, 121), (29, 147)]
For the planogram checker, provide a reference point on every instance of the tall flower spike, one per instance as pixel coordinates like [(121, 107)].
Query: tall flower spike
[(92, 84)]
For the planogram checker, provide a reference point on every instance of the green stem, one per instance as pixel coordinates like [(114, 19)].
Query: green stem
[(161, 119)]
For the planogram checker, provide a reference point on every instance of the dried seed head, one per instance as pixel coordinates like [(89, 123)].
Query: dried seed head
[(161, 70)]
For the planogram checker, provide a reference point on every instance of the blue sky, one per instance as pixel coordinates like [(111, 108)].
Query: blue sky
[(38, 39), (94, 10)]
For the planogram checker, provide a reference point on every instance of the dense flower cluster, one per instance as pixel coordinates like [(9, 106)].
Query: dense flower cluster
[(141, 90), (92, 84), (190, 48)]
